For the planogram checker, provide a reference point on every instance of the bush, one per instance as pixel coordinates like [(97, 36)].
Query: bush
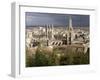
[(29, 59), (59, 56), (43, 58), (64, 60)]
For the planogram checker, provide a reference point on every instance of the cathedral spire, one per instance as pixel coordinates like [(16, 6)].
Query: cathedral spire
[(70, 28)]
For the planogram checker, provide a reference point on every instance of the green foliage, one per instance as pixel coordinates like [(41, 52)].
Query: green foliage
[(64, 60), (29, 59), (43, 58), (59, 56), (69, 56)]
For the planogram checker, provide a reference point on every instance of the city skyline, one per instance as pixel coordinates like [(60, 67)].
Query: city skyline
[(56, 39)]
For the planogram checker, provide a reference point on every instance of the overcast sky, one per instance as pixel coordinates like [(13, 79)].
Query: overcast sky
[(32, 19)]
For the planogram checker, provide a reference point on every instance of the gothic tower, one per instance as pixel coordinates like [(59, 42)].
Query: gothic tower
[(70, 31)]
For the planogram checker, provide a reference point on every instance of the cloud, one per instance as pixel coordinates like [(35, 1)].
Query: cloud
[(56, 19)]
